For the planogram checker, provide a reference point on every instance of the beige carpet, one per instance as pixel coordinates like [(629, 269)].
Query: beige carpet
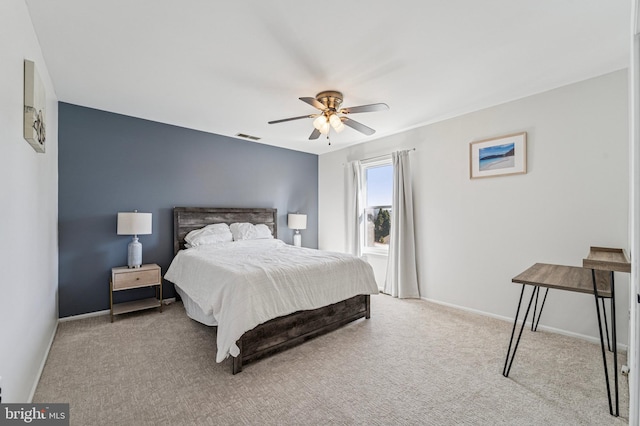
[(413, 362)]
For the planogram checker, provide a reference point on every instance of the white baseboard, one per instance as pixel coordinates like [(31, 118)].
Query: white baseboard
[(621, 347), (44, 361), (83, 316), (105, 312)]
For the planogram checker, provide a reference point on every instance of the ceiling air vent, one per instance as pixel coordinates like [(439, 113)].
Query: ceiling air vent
[(243, 135)]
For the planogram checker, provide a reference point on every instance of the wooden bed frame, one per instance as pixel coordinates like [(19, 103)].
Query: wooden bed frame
[(279, 333)]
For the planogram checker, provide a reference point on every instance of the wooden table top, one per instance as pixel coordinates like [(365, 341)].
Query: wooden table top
[(570, 278)]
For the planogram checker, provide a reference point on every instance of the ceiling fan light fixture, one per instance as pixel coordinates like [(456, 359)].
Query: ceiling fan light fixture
[(324, 129), (328, 103), (319, 121), (336, 123)]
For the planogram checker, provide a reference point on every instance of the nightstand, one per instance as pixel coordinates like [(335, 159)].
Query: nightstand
[(124, 278)]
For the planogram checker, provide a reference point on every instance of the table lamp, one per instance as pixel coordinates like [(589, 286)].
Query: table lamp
[(297, 221), (134, 223)]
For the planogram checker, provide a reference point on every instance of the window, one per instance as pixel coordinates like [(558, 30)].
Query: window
[(377, 195)]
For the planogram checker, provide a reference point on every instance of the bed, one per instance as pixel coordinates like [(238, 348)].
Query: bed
[(263, 295)]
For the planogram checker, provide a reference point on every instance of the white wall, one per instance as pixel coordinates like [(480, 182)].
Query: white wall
[(28, 217), (473, 236)]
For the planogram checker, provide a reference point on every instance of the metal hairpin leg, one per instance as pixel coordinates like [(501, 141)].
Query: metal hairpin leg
[(536, 290), (614, 342), (606, 327), (544, 299), (505, 370)]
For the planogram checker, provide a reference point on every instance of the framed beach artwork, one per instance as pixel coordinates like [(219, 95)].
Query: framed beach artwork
[(504, 155)]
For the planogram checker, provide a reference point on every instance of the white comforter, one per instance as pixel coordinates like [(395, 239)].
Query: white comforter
[(246, 283)]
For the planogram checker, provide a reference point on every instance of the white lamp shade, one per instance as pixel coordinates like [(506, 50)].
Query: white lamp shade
[(134, 223), (324, 129), (319, 121), (297, 221), (336, 123)]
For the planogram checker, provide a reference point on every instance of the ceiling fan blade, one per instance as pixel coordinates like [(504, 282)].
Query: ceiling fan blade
[(314, 103), (364, 108), (292, 118), (358, 126), (315, 134)]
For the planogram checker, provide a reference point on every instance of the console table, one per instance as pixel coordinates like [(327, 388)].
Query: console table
[(595, 277)]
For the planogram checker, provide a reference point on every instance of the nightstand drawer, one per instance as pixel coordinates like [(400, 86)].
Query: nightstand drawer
[(135, 278)]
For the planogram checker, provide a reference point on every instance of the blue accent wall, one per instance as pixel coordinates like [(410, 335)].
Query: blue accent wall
[(109, 163)]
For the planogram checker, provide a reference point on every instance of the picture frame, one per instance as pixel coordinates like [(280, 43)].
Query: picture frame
[(35, 100), (499, 156)]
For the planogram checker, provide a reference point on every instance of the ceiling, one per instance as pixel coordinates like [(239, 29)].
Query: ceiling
[(229, 67)]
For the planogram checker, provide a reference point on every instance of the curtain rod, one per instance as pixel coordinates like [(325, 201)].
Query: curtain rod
[(381, 156)]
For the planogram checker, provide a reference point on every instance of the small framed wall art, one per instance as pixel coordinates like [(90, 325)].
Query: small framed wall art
[(35, 100), (504, 155)]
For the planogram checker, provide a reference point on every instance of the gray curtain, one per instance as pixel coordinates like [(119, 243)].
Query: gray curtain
[(354, 207), (402, 276)]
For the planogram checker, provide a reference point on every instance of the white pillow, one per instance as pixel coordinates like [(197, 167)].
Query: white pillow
[(248, 231), (207, 239), (243, 231), (263, 232), (217, 228), (210, 234)]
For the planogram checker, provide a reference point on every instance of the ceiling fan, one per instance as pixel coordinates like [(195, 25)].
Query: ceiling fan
[(331, 115)]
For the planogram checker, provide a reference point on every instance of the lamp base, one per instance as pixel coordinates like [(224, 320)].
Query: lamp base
[(297, 239), (134, 258)]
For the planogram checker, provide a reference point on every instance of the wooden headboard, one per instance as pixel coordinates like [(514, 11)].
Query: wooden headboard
[(186, 219)]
